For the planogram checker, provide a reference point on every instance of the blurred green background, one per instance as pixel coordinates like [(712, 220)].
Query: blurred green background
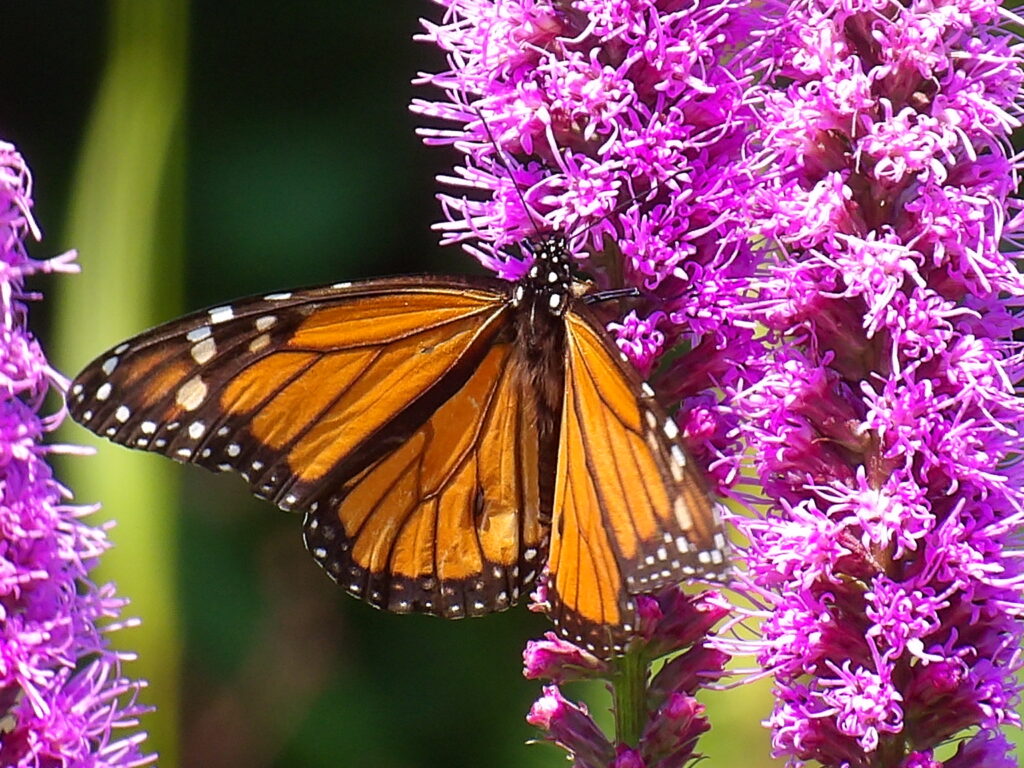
[(195, 153)]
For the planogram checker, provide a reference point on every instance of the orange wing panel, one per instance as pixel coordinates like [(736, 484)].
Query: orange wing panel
[(379, 320), (413, 554), (443, 524), (399, 373), (631, 512), (262, 380), (584, 571), (458, 556)]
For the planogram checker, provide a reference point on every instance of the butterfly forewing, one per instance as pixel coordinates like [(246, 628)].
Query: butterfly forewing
[(296, 391), (631, 512)]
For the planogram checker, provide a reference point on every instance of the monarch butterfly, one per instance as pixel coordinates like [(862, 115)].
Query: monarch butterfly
[(445, 437)]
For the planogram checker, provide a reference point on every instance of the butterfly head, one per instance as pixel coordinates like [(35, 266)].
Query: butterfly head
[(549, 281)]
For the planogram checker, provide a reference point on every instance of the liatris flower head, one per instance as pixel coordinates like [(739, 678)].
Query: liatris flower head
[(671, 735), (987, 749), (881, 406), (670, 718), (558, 660), (63, 698), (620, 126), (614, 124), (672, 620), (571, 726), (625, 757)]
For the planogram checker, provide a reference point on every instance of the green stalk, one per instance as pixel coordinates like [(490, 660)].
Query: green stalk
[(629, 689), (125, 219)]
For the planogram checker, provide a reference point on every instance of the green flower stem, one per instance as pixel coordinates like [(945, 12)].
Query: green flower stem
[(629, 689)]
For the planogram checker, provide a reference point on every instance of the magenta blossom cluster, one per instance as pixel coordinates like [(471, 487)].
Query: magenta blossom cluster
[(881, 410), (63, 699), (619, 124), (671, 719)]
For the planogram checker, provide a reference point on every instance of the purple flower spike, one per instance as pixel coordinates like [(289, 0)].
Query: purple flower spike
[(622, 126), (881, 409), (669, 716), (63, 698)]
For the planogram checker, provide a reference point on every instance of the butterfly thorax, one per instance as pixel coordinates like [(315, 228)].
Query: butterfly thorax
[(540, 299), (547, 286)]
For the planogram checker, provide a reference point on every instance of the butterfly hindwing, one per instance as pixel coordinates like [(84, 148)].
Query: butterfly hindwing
[(631, 512), (450, 522)]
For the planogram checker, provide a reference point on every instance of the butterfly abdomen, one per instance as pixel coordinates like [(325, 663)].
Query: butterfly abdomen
[(541, 374)]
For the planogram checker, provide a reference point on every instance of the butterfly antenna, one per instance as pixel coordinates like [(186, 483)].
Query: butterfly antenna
[(508, 169), (612, 294)]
